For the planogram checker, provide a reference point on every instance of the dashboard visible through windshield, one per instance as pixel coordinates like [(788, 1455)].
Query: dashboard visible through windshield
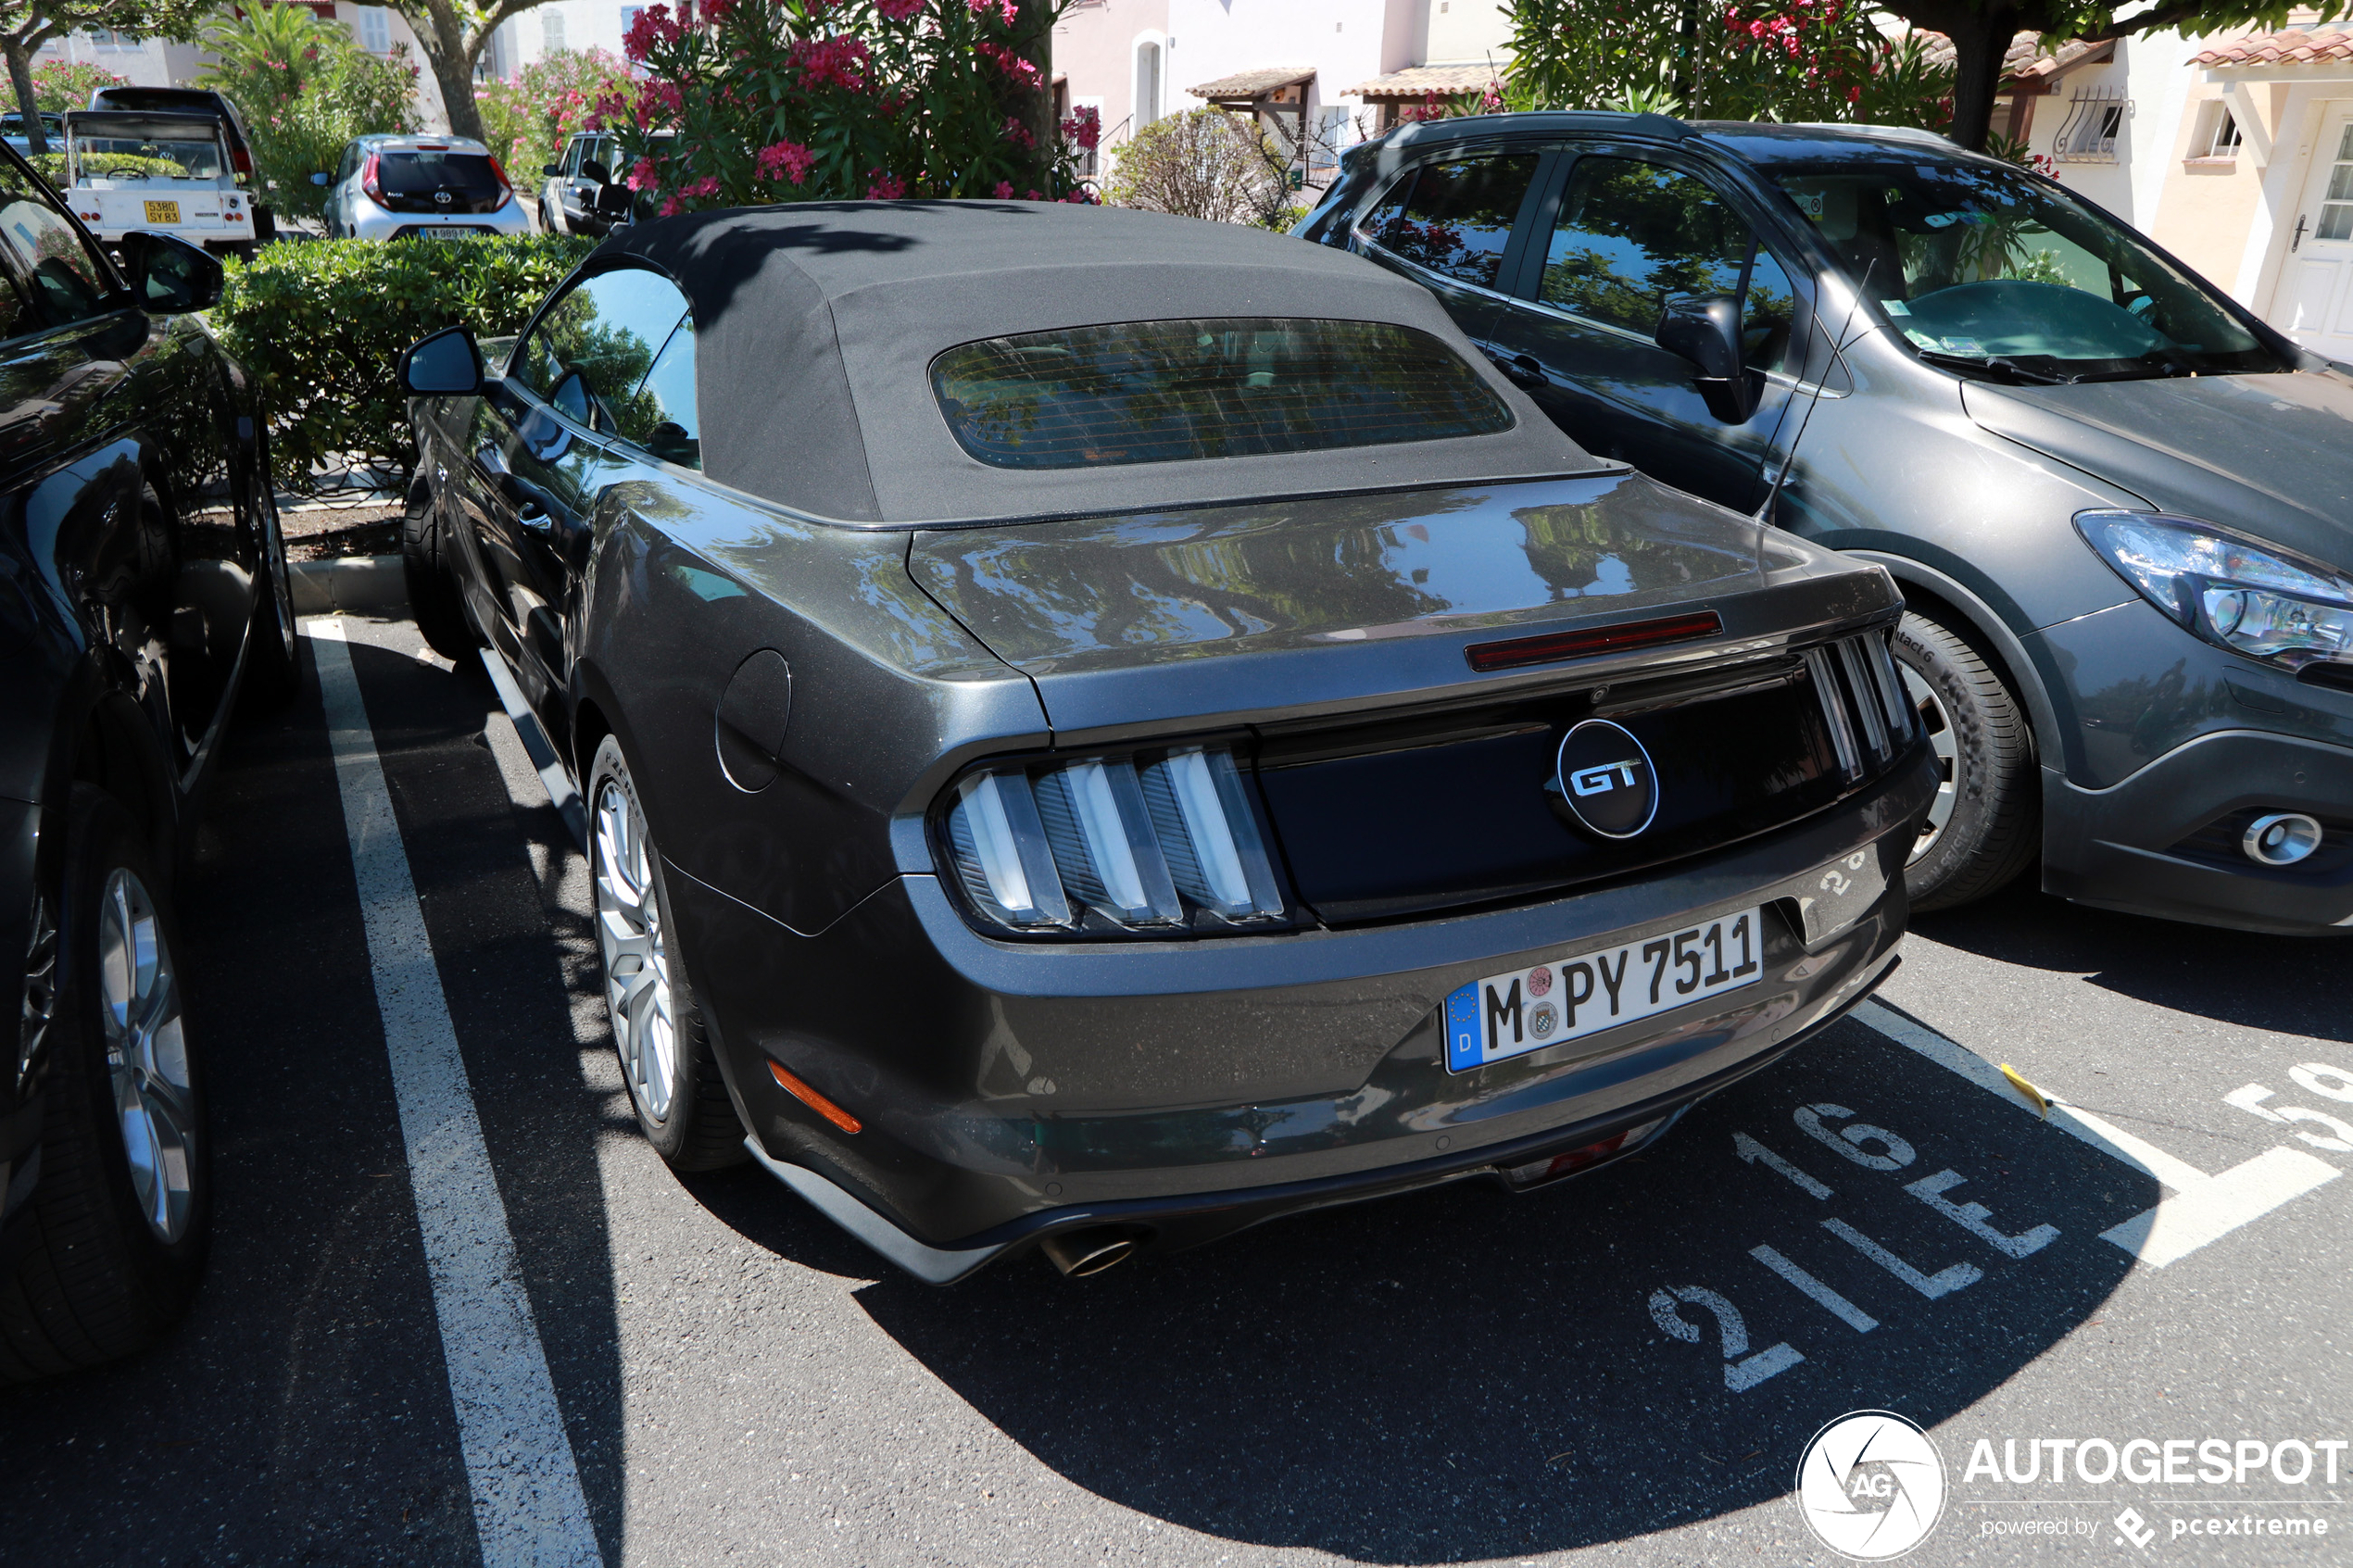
[(1990, 273)]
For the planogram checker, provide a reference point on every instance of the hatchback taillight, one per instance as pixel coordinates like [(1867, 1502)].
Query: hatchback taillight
[(506, 186), (368, 180)]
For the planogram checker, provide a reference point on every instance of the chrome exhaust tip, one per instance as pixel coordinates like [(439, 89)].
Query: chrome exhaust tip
[(1080, 1253)]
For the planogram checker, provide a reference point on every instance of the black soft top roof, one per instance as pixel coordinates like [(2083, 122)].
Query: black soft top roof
[(816, 326), (140, 124)]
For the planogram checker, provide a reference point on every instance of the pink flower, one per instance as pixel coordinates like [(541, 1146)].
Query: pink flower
[(643, 175), (669, 207), (1084, 127), (1005, 10), (899, 10), (1018, 134), (788, 160), (1004, 190), (839, 61), (885, 188), (1013, 65), (652, 28), (706, 186)]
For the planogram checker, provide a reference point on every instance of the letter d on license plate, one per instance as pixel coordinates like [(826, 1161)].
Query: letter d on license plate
[(1509, 1015)]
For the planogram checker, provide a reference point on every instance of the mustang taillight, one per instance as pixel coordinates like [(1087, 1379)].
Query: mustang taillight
[(1139, 844)]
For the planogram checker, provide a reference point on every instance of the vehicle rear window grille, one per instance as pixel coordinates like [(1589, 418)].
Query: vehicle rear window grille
[(1159, 392), (1862, 700)]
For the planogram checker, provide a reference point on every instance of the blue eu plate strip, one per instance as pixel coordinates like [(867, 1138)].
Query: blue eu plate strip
[(1462, 1030)]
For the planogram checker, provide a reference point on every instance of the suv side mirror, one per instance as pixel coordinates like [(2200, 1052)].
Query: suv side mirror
[(551, 169), (1705, 330), (448, 364), (322, 179), (168, 276)]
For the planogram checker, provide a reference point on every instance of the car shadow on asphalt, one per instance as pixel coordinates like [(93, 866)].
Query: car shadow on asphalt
[(1461, 1374), (2290, 985)]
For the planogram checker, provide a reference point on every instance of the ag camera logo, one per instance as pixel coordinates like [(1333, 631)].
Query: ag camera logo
[(1871, 1485)]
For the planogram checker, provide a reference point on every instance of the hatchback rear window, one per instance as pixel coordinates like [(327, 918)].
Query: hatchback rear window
[(420, 174), (1161, 392)]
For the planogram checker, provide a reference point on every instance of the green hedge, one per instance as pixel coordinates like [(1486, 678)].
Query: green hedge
[(320, 325)]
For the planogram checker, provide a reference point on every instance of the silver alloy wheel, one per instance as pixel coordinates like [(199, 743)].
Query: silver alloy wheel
[(147, 1054), (638, 993), (1938, 721)]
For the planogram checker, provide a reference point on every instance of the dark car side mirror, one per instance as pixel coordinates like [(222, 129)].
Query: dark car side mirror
[(551, 169), (322, 179), (445, 365), (1705, 330), (168, 276)]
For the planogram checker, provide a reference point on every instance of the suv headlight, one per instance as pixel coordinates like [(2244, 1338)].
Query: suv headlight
[(2254, 599), (1154, 843)]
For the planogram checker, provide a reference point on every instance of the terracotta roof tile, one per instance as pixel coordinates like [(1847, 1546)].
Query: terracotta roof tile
[(1419, 81), (2293, 46), (2025, 59), (1253, 84)]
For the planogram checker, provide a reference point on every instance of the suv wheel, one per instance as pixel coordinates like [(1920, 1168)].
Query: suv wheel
[(121, 1209), (1984, 824), (666, 1054)]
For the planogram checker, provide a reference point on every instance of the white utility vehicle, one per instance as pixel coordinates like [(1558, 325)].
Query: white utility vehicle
[(171, 174)]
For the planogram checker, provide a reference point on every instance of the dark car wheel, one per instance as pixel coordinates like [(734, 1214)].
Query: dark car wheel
[(434, 597), (272, 672), (1984, 828), (121, 1211), (665, 1053)]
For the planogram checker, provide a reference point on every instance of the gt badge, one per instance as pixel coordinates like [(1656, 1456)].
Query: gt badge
[(1607, 779)]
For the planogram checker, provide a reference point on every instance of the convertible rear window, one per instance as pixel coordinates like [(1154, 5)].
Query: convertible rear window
[(1161, 392)]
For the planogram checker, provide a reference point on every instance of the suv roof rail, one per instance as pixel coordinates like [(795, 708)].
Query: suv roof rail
[(1888, 133)]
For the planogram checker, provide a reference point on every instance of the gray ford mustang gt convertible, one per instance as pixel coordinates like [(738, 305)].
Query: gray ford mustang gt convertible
[(1096, 729)]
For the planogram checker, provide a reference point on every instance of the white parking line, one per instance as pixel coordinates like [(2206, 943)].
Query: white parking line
[(2202, 1208), (527, 1501)]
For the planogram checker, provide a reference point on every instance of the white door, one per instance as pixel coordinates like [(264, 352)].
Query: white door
[(2314, 305)]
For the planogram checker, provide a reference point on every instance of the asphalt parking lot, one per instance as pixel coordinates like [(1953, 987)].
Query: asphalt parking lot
[(1625, 1366)]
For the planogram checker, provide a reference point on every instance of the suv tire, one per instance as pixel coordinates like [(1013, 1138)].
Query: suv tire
[(1986, 825)]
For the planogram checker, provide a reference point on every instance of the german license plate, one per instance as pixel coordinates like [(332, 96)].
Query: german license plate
[(163, 212), (1509, 1015)]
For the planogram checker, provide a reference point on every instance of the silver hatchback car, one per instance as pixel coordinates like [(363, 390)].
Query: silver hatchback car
[(399, 187)]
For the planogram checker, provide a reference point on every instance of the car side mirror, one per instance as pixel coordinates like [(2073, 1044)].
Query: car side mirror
[(551, 169), (448, 364), (322, 179), (594, 173), (1705, 330), (168, 276)]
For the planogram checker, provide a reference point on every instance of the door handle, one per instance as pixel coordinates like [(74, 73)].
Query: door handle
[(2296, 243), (1520, 370)]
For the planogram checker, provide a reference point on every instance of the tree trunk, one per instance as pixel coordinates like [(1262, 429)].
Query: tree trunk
[(441, 33), (1978, 51), (28, 101), (1033, 40)]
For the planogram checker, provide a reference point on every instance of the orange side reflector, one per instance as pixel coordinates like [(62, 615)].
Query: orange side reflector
[(814, 1101)]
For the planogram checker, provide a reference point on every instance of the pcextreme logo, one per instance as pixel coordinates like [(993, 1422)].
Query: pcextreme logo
[(1871, 1485)]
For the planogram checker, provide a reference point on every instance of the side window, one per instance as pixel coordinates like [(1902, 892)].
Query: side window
[(69, 283), (661, 418), (1631, 234), (594, 353), (1455, 218)]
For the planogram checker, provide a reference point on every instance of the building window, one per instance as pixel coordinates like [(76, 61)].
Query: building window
[(2095, 120), (375, 29), (105, 38), (2223, 138), (1147, 84), (551, 30)]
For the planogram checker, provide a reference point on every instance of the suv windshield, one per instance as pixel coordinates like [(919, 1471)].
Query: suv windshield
[(108, 162), (1157, 392), (1986, 271)]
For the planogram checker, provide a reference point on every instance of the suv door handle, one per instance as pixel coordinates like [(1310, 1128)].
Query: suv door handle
[(1520, 370)]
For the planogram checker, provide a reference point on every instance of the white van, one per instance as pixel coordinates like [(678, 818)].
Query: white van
[(169, 173)]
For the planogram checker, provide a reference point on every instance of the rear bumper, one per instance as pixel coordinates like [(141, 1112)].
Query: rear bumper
[(1188, 1089), (2138, 844), (370, 221)]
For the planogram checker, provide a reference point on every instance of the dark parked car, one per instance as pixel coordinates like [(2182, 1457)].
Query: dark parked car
[(199, 100), (2115, 500), (1070, 765), (142, 587)]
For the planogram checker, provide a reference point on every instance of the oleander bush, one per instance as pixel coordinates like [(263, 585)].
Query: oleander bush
[(321, 326)]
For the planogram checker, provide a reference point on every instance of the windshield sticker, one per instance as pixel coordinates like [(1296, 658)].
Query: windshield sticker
[(1962, 346), (1814, 204), (1895, 307)]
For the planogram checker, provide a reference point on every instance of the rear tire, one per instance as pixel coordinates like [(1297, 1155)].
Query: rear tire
[(1987, 822), (272, 671), (658, 1032), (434, 600), (115, 1246)]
